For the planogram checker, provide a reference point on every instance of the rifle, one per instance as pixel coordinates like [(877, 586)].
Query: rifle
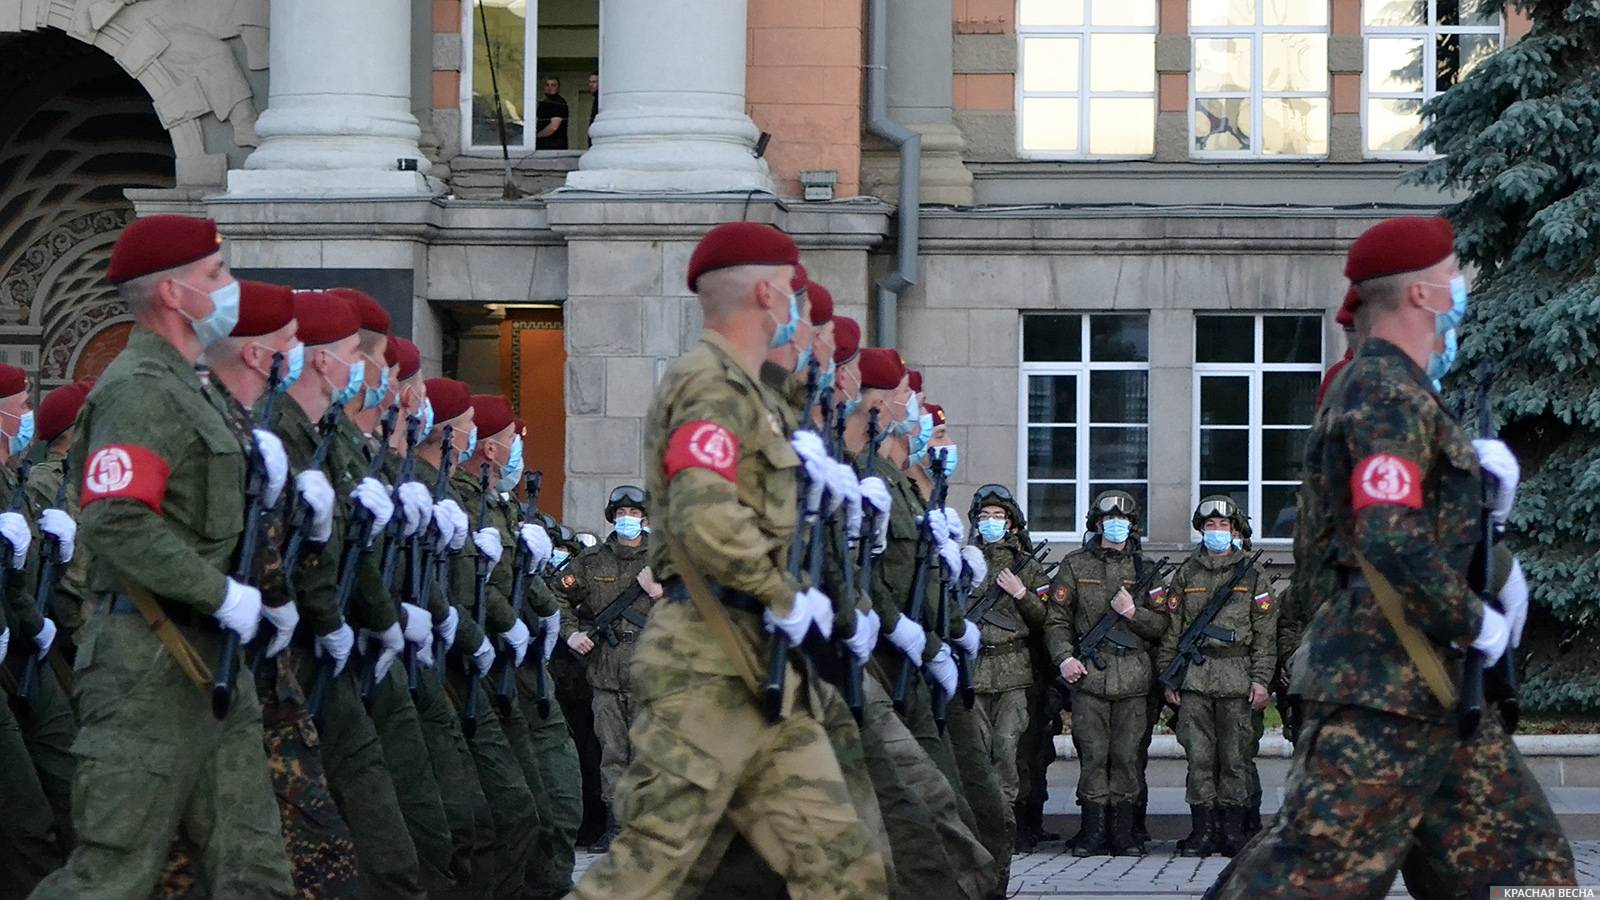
[(918, 597), (619, 608), (43, 597), (1202, 627), (480, 609), (357, 536), (980, 611), (941, 619), (244, 567), (1469, 710), (778, 648), (300, 527), (854, 690), (391, 558), (420, 575), (1106, 628), (506, 683)]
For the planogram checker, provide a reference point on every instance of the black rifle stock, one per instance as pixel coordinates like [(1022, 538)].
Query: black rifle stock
[(1203, 627), (43, 598), (1469, 709), (300, 519), (778, 645), (506, 681), (419, 553), (979, 612), (1105, 629), (480, 609), (391, 557), (925, 556)]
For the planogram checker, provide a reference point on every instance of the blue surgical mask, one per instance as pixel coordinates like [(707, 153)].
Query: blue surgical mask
[(1440, 364), (951, 457), (785, 332), (513, 470), (991, 530), (224, 314), (375, 395), (913, 416), (24, 436), (352, 387), (426, 423), (918, 454), (804, 362), (851, 405), (1218, 541), (825, 380), (559, 557), (628, 527), (1238, 543), (472, 447), (1115, 530), (294, 363), (1450, 321)]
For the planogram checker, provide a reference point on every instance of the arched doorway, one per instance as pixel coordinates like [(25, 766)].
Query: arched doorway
[(75, 133)]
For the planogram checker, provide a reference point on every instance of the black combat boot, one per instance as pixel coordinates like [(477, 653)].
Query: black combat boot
[(1233, 832), (1119, 834), (1252, 817), (1025, 841), (602, 844), (1195, 843), (1091, 841), (1141, 834)]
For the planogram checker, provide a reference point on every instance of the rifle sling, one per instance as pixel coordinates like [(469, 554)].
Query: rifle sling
[(183, 653), (715, 616), (1417, 645)]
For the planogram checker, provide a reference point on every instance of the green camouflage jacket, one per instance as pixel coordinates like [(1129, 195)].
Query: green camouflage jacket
[(588, 584), (1251, 613), (1082, 592), (1012, 627)]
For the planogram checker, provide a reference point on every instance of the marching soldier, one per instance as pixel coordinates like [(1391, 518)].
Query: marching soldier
[(569, 678), (56, 421)]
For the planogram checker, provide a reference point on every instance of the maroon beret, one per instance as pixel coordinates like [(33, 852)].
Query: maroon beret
[(59, 409), (391, 356), (13, 380), (159, 243), (800, 280), (519, 427), (881, 368), (914, 379), (741, 244), (1346, 317), (324, 318), (263, 308), (935, 410), (492, 414), (1327, 380), (450, 398), (1393, 246), (407, 357), (846, 339), (821, 304), (373, 316)]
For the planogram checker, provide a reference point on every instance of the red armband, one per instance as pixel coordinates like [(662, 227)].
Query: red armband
[(125, 472), (1386, 479), (702, 445)]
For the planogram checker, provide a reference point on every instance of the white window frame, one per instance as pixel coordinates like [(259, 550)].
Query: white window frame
[(1080, 370), (1256, 94), (1083, 32), (1429, 34), (1256, 427), (530, 80)]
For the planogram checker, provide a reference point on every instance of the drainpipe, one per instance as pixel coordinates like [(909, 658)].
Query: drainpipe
[(909, 145)]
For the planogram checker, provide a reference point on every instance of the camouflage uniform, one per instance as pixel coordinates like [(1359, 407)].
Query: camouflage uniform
[(72, 592), (1379, 768), (561, 780), (704, 753)]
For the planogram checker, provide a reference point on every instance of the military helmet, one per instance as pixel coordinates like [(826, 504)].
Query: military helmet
[(1213, 506), (997, 495), (624, 495), (562, 536), (586, 539), (1113, 502)]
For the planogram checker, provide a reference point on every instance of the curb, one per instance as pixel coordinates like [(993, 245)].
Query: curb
[(1165, 746)]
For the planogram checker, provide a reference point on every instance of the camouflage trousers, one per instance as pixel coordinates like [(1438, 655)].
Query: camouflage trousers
[(917, 714), (1154, 703), (466, 809), (442, 865), (614, 712), (992, 812), (1366, 787), (1106, 734), (1216, 734), (704, 755), (571, 687), (559, 794), (30, 845), (48, 730), (505, 786), (1036, 749), (1003, 719)]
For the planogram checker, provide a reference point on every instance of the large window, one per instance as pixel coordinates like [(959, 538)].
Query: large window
[(1085, 406), (1260, 82), (1415, 50), (1256, 380), (537, 57), (1088, 85)]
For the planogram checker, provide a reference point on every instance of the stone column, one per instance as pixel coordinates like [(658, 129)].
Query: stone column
[(922, 97), (338, 116), (672, 113)]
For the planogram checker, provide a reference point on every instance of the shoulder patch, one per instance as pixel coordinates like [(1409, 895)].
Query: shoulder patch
[(1385, 479), (1173, 600), (1062, 593), (1263, 602), (1158, 598), (569, 581), (702, 444), (125, 472)]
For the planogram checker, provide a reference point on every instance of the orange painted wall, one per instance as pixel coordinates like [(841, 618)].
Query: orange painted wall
[(533, 361)]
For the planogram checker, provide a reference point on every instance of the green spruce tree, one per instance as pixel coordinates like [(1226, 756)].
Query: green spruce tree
[(1519, 145)]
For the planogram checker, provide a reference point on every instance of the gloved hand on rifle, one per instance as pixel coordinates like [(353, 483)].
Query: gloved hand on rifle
[(1496, 459), (483, 658), (955, 528), (284, 619), (970, 640), (814, 457), (59, 525), (274, 463), (449, 525), (372, 496), (336, 644), (811, 607), (1492, 637), (240, 611), (390, 642), (860, 643), (536, 546), (1514, 597), (487, 540), (943, 669), (446, 630), (45, 637), (317, 494), (844, 489), (977, 567), (416, 626), (14, 529), (416, 505), (550, 632), (876, 494), (910, 639), (517, 637)]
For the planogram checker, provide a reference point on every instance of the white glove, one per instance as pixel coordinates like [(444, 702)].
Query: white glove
[(950, 555), (446, 630), (274, 461), (58, 524), (976, 564), (1497, 459), (910, 638), (1514, 597), (550, 632), (487, 540), (390, 642), (937, 527), (853, 515), (861, 643), (483, 658), (14, 529), (283, 619), (955, 528), (415, 506), (336, 644), (45, 637), (843, 487), (970, 640), (425, 653), (240, 611), (943, 669), (5, 643), (444, 524), (1492, 637), (816, 481), (808, 444), (517, 637), (875, 493), (417, 628), (317, 494), (374, 498), (458, 522), (811, 607), (535, 546)]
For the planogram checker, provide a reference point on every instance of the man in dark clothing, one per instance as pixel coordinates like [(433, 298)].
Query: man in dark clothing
[(552, 117)]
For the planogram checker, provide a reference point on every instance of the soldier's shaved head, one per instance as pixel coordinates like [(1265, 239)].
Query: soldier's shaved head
[(726, 292)]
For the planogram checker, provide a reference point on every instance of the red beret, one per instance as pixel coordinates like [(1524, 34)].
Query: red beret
[(59, 409), (821, 304), (1346, 317), (450, 398), (1406, 244), (519, 427), (914, 379), (324, 318), (373, 316), (800, 280), (491, 413), (391, 356), (881, 368), (846, 339), (407, 357), (936, 411), (741, 244), (1322, 389), (13, 380), (159, 243), (263, 308)]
